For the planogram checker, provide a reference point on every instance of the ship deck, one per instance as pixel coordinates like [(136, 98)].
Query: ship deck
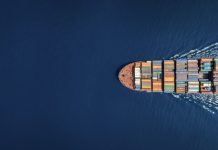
[(172, 76)]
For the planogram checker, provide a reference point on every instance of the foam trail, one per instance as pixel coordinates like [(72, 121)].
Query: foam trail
[(208, 102)]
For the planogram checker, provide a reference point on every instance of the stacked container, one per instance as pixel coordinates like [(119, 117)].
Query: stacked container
[(206, 87), (203, 76), (192, 76), (215, 76), (215, 64), (146, 76), (181, 76), (169, 76), (193, 87), (193, 83), (206, 65), (193, 65), (157, 76), (137, 71), (215, 90)]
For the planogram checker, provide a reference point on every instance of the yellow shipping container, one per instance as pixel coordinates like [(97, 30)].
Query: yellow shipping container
[(137, 65), (206, 59), (146, 64), (169, 79), (146, 80), (157, 84), (168, 61), (157, 67)]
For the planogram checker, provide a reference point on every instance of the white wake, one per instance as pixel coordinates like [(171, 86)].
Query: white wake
[(208, 102)]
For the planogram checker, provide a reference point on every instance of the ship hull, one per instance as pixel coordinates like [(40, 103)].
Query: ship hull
[(172, 76)]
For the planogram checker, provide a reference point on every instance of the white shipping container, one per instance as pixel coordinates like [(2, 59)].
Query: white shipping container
[(195, 83), (137, 72), (137, 76), (193, 86), (137, 69), (192, 60), (196, 90), (137, 81)]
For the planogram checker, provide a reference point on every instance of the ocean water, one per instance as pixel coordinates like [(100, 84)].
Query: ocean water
[(59, 62)]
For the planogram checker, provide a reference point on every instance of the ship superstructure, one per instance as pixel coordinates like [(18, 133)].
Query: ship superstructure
[(172, 76)]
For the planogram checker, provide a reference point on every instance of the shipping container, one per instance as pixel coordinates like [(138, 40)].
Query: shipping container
[(169, 76), (206, 64), (146, 70), (193, 87), (206, 87), (157, 76), (180, 76), (146, 84), (145, 75)]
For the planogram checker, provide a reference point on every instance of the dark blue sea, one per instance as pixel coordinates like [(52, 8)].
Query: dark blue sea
[(59, 62)]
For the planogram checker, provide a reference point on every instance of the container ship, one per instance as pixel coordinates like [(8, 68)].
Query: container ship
[(172, 76)]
